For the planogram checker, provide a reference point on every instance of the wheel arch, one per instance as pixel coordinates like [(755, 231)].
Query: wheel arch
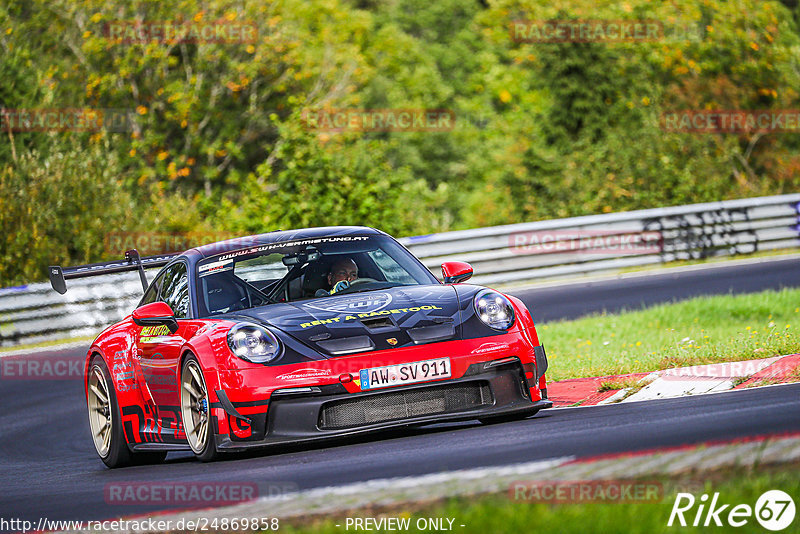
[(93, 354)]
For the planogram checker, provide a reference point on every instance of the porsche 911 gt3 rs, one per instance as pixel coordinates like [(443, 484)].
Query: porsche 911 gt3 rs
[(303, 335)]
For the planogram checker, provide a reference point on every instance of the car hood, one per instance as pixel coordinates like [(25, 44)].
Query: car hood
[(372, 320)]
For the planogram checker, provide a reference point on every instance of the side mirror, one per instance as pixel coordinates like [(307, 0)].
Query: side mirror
[(156, 314), (455, 272)]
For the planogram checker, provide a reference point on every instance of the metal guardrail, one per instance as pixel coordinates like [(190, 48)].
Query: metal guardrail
[(501, 254), (607, 243)]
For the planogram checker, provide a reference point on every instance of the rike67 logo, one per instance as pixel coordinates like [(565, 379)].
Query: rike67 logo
[(774, 510)]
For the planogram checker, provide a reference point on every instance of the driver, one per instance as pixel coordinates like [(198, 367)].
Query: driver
[(342, 272)]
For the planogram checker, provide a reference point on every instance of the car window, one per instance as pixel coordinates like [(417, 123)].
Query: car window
[(152, 291), (303, 269), (175, 290), (260, 269), (390, 269)]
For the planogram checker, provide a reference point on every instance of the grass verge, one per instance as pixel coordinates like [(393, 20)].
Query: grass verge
[(500, 513), (620, 383), (692, 332), (44, 344)]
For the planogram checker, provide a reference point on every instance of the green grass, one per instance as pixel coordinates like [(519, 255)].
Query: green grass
[(619, 383), (698, 331), (499, 513)]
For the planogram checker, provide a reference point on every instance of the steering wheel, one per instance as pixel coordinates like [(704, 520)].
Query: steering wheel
[(360, 281), (355, 284)]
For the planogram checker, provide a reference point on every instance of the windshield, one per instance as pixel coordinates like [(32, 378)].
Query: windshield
[(304, 269)]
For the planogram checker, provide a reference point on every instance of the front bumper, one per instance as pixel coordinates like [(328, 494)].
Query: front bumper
[(329, 412)]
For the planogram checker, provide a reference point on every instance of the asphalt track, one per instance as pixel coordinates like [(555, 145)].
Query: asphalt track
[(48, 467)]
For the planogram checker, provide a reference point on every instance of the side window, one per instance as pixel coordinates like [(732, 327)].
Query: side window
[(175, 290), (152, 292)]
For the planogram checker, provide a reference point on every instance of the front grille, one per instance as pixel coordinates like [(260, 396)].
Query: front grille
[(396, 405)]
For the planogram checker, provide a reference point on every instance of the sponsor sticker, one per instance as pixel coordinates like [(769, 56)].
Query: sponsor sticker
[(354, 317), (152, 334), (215, 267), (353, 303), (303, 374), (298, 243)]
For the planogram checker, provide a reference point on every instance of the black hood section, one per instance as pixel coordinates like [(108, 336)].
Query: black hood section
[(372, 320)]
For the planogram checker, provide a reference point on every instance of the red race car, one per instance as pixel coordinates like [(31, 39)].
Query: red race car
[(303, 335)]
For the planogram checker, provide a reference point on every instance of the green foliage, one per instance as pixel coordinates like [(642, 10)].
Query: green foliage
[(219, 143), (321, 185), (57, 207)]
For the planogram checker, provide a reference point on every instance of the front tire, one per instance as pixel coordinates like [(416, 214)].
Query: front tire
[(196, 411)]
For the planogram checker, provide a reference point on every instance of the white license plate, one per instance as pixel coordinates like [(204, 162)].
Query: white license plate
[(404, 373)]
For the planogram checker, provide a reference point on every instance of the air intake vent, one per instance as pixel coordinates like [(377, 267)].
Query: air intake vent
[(396, 405), (429, 334), (347, 345), (375, 323)]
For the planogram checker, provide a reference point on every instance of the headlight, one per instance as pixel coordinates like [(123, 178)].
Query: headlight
[(494, 310), (253, 343)]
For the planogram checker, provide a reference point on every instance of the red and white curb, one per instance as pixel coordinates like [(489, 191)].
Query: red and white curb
[(698, 379), (679, 382)]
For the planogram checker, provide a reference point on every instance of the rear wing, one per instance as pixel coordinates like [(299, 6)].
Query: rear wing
[(132, 262)]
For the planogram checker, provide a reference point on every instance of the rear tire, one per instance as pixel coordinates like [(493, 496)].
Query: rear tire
[(104, 417), (105, 422), (196, 411)]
